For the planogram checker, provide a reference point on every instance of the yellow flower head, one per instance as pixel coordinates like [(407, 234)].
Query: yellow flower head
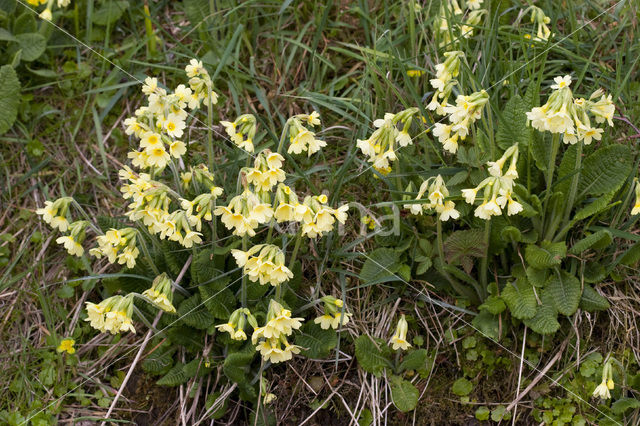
[(66, 345)]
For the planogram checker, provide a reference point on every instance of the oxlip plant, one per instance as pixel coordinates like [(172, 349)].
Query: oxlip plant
[(219, 261)]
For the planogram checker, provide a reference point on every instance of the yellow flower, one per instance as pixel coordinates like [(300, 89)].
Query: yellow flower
[(46, 14), (112, 314), (157, 157), (325, 321), (161, 294), (399, 339), (340, 320), (602, 391), (66, 345), (415, 73), (72, 246), (636, 206)]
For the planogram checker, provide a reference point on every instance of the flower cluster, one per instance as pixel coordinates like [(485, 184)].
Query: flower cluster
[(448, 33), (56, 213), (241, 131), (151, 201), (317, 217), (112, 314), (161, 122), (399, 339), (446, 73), (244, 213), (497, 189), (199, 179), (380, 147), (569, 116), (541, 20), (286, 202), (237, 323), (266, 171), (118, 244), (461, 116), (271, 340), (436, 192), (263, 263), (334, 315), (301, 139), (160, 293)]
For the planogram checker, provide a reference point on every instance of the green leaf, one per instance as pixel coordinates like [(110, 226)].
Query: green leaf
[(592, 300), (366, 418), (493, 304), (545, 321), (566, 291), (203, 268), (566, 170), (372, 355), (65, 292), (600, 239), (109, 12), (6, 35), (32, 45), (520, 298), (537, 277), (237, 364), (546, 256), (605, 170), (540, 149), (510, 233), (500, 413), (487, 324), (462, 387), (631, 256), (9, 97), (483, 413), (462, 246), (316, 341), (25, 23), (596, 206), (196, 11), (194, 314), (218, 299), (380, 266), (158, 362), (624, 404), (176, 376), (513, 125), (414, 360), (403, 394)]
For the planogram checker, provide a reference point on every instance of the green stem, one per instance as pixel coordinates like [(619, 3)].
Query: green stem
[(555, 145), (296, 247), (210, 131), (145, 250), (285, 129), (485, 259), (243, 288), (574, 183)]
